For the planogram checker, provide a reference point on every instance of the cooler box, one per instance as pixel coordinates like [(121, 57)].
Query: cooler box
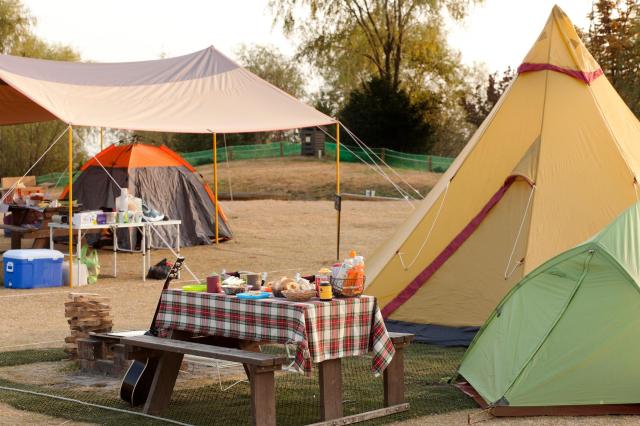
[(32, 268)]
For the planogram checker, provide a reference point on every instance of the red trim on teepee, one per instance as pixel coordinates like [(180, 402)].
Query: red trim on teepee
[(586, 77), (448, 251)]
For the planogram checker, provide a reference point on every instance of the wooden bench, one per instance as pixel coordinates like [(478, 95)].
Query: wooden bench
[(170, 352)]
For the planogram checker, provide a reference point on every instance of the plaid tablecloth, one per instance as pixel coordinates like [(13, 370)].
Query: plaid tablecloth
[(319, 330)]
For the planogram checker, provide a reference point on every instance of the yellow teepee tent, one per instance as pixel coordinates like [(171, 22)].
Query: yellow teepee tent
[(555, 161)]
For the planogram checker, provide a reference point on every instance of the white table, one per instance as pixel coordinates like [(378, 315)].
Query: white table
[(145, 246)]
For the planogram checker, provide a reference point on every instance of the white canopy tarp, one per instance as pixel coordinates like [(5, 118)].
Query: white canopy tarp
[(201, 92)]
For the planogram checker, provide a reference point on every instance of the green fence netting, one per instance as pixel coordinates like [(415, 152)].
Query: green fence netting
[(243, 152), (348, 154), (395, 159), (201, 400), (56, 178)]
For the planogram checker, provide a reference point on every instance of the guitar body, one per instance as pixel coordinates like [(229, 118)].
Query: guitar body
[(137, 382)]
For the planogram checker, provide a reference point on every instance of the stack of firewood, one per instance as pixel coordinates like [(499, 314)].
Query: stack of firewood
[(85, 313)]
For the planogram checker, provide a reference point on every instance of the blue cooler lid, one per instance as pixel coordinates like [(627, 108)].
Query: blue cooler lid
[(31, 254)]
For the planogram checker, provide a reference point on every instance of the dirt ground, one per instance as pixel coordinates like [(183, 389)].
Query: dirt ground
[(12, 416), (279, 237), (303, 178), (465, 417)]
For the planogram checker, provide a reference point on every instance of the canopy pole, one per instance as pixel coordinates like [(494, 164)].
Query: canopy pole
[(101, 138), (338, 201), (70, 212), (215, 184)]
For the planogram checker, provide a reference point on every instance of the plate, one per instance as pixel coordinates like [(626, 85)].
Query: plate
[(262, 295), (195, 287)]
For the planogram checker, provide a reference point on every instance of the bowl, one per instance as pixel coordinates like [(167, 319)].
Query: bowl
[(232, 290), (299, 295)]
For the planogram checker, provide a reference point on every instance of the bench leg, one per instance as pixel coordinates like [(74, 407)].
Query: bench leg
[(16, 240), (40, 243), (263, 397), (394, 379), (163, 382), (330, 389)]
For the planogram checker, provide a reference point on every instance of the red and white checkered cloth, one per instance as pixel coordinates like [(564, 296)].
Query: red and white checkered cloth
[(320, 330)]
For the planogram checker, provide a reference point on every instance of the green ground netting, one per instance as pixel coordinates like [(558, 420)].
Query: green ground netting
[(427, 370)]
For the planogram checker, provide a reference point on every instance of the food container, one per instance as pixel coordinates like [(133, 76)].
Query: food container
[(110, 217), (253, 280), (123, 217), (85, 218), (348, 287), (101, 219)]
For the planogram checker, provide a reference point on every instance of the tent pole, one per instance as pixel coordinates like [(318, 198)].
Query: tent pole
[(215, 183), (338, 203), (101, 137), (70, 198)]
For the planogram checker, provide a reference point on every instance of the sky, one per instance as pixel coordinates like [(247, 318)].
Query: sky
[(497, 33)]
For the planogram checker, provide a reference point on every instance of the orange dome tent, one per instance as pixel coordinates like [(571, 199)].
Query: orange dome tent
[(162, 179)]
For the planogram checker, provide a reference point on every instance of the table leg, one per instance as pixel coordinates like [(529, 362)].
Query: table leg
[(51, 238), (178, 243), (79, 245), (143, 247), (394, 379), (330, 389), (263, 397), (114, 230), (148, 230), (163, 382)]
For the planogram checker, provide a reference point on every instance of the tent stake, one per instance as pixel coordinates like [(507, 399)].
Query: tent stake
[(338, 200), (215, 183), (70, 198)]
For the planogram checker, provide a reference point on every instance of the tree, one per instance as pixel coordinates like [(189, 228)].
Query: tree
[(15, 24), (268, 63), (485, 95), (385, 116), (23, 144), (613, 38), (380, 30), (403, 42)]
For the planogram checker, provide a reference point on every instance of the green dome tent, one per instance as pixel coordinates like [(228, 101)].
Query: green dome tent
[(566, 338)]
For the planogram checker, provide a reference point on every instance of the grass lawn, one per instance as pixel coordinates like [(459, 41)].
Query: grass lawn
[(427, 370)]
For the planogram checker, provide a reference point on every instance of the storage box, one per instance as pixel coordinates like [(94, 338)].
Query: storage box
[(80, 273), (32, 268)]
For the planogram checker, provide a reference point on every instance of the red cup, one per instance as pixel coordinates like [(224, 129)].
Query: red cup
[(213, 284)]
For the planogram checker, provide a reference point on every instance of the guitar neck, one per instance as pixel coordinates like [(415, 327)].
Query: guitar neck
[(173, 273)]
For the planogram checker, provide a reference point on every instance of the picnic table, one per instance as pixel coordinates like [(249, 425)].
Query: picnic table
[(144, 228), (322, 332)]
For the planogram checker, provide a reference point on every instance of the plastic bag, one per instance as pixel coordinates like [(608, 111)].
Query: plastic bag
[(93, 264), (160, 270)]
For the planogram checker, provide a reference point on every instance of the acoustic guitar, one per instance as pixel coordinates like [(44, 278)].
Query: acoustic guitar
[(137, 382)]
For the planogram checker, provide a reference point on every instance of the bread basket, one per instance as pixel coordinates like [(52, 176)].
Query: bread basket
[(299, 295)]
